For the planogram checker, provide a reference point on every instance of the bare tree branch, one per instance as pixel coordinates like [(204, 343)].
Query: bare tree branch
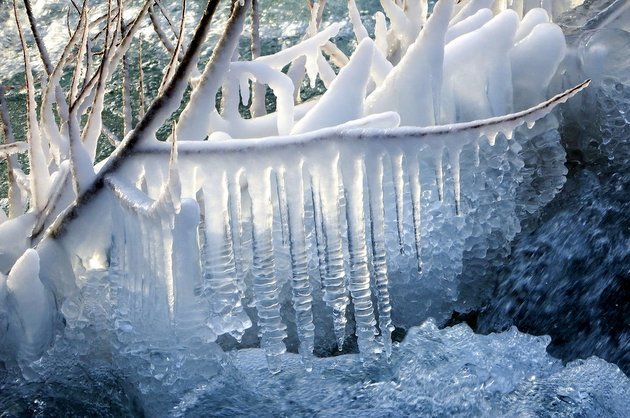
[(140, 80), (170, 69), (126, 89), (157, 113)]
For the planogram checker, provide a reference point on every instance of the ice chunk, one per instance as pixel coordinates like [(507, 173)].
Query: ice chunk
[(31, 324), (433, 372), (343, 100), (412, 88)]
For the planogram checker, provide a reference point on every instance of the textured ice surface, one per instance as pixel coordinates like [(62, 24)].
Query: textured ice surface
[(450, 372)]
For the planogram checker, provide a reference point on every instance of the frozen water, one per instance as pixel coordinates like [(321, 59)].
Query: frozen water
[(431, 372), (320, 240), (576, 276)]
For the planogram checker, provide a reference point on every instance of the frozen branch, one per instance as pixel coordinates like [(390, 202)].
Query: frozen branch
[(13, 164), (156, 115)]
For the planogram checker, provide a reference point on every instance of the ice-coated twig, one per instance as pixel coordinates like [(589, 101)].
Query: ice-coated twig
[(92, 129), (126, 90), (193, 122), (258, 90), (83, 49), (320, 10), (117, 54), (355, 17), (159, 31), (111, 136), (39, 176), (57, 141), (13, 164), (406, 134), (168, 18), (43, 53), (7, 150)]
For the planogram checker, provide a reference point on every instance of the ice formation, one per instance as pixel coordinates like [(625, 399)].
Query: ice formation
[(305, 214)]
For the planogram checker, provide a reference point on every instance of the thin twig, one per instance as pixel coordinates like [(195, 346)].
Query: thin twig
[(126, 90), (170, 70), (140, 80), (258, 90), (162, 36)]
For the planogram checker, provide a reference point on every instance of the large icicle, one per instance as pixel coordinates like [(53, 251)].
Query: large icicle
[(219, 271), (374, 168), (359, 282), (33, 306), (300, 284), (335, 292), (266, 288)]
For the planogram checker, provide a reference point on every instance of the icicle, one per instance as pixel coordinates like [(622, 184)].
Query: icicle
[(320, 241), (300, 284), (219, 272), (454, 153), (335, 292), (492, 138), (415, 188), (399, 184), (33, 306), (476, 151), (281, 192), (236, 225), (439, 171), (266, 289), (359, 282), (187, 270), (379, 254), (244, 90)]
